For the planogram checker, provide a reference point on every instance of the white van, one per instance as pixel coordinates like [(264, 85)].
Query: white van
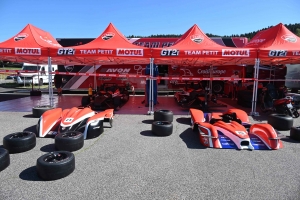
[(40, 78)]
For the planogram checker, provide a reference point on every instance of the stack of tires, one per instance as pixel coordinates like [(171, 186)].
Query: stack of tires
[(60, 163), (16, 143), (51, 166), (162, 125)]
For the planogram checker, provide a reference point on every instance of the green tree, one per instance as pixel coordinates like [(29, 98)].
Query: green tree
[(297, 32)]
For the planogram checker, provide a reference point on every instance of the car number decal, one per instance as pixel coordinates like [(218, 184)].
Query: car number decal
[(68, 119)]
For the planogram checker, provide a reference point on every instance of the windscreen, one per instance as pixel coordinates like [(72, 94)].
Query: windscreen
[(31, 67)]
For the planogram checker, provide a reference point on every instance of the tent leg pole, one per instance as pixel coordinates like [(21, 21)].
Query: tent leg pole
[(150, 98), (50, 83), (255, 87)]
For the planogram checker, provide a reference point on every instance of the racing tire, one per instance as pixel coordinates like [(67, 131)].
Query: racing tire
[(163, 115), (295, 133), (85, 101), (218, 87), (55, 165), (38, 111), (162, 128), (4, 159), (69, 141), (280, 121), (35, 93), (19, 142)]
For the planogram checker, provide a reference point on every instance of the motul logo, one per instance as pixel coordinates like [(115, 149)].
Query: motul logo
[(27, 51), (130, 52), (236, 52), (118, 70)]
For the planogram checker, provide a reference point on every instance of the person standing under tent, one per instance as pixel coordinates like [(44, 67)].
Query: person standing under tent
[(132, 90), (58, 80), (235, 85)]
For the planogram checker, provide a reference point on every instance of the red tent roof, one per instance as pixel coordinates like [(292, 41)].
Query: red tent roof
[(111, 47), (30, 45), (276, 45), (195, 48)]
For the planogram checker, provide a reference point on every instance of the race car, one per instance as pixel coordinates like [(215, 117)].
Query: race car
[(109, 95), (81, 119), (233, 130)]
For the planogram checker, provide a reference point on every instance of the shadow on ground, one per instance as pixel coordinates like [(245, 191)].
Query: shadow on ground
[(148, 133), (48, 148), (184, 120), (30, 174), (31, 129), (191, 139)]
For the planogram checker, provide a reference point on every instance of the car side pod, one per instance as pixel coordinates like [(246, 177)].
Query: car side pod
[(267, 134), (49, 121), (196, 116), (208, 135)]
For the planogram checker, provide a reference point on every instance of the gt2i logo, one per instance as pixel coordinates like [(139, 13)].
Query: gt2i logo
[(66, 51), (169, 52), (277, 53)]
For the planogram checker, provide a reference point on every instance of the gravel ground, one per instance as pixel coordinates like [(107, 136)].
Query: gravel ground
[(128, 162)]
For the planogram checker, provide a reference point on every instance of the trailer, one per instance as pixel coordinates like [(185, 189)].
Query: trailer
[(82, 82)]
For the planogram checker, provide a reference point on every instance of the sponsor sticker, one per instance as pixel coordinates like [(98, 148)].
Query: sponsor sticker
[(69, 68), (27, 51), (107, 36), (235, 52), (69, 119), (197, 38), (277, 53), (169, 52), (289, 38), (130, 52), (65, 51), (20, 36)]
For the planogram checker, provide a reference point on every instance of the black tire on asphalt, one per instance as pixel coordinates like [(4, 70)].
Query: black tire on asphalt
[(162, 128), (280, 121), (35, 93), (295, 133), (19, 142), (85, 101), (163, 115), (55, 165), (69, 141), (38, 111), (4, 159)]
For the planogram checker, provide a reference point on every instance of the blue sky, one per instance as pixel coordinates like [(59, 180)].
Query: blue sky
[(89, 18)]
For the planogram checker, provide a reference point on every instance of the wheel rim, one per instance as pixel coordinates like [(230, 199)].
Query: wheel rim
[(19, 135), (217, 88), (55, 157)]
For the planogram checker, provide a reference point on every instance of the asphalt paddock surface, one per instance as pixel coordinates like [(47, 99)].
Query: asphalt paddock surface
[(128, 162)]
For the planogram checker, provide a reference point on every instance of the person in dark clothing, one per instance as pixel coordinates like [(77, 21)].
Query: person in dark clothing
[(58, 80)]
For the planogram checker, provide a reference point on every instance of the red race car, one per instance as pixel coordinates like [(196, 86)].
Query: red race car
[(232, 130), (80, 119)]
